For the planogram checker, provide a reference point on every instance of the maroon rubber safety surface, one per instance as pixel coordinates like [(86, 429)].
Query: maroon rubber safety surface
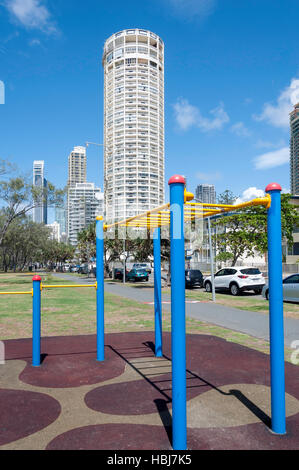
[(23, 413), (70, 362), (249, 437), (72, 370), (113, 436), (148, 395)]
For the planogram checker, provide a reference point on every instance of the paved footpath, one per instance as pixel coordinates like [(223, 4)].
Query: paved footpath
[(251, 323)]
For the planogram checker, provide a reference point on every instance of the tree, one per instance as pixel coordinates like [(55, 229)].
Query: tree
[(87, 246), (23, 243), (246, 230), (55, 253), (225, 256), (27, 242), (87, 243), (141, 249), (227, 197), (19, 196)]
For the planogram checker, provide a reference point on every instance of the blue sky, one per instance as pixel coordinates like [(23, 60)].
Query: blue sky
[(231, 78)]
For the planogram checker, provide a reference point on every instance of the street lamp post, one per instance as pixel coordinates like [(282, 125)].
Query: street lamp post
[(87, 144), (211, 256)]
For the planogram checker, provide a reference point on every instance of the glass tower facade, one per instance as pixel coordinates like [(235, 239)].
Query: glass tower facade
[(40, 209)]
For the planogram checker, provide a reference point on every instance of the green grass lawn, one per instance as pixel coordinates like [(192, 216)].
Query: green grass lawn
[(64, 311), (73, 312)]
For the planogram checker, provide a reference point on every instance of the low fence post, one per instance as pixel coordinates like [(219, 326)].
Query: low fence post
[(36, 321)]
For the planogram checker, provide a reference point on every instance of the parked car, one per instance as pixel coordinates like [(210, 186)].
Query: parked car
[(290, 289), (137, 275), (193, 277), (145, 266), (119, 273), (66, 268), (83, 269), (74, 269), (237, 279)]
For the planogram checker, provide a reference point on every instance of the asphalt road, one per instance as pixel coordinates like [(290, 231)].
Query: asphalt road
[(251, 323)]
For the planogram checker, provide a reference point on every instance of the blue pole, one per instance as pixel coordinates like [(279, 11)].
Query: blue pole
[(278, 410), (178, 327), (100, 289), (36, 321), (157, 289)]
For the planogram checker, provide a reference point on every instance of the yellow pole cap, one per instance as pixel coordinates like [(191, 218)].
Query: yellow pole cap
[(188, 196)]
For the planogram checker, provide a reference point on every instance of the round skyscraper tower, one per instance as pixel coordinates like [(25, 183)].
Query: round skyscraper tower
[(133, 62)]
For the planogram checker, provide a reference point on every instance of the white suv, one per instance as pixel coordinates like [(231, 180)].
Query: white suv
[(237, 279)]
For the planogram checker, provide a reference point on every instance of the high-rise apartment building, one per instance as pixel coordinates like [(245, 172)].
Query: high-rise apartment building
[(85, 203), (76, 200), (60, 218), (133, 62), (206, 193), (55, 233), (294, 150), (77, 166), (39, 213)]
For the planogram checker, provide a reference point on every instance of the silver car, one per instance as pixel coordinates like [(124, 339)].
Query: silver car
[(290, 287)]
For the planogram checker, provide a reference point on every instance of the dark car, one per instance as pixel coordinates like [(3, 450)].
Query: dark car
[(193, 277), (74, 268), (119, 273), (137, 275), (83, 269)]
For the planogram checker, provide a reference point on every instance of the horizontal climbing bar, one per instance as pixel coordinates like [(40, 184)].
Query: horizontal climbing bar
[(131, 219), (17, 293), (72, 285)]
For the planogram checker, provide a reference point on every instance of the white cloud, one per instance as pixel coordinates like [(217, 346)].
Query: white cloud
[(240, 130), (34, 42), (249, 194), (220, 118), (188, 115), (267, 144), (193, 8), (32, 14), (272, 159), (278, 114)]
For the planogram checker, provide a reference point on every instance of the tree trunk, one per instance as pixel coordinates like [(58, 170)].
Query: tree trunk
[(168, 280)]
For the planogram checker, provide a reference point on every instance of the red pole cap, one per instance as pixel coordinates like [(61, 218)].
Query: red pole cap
[(36, 278), (273, 187), (177, 179)]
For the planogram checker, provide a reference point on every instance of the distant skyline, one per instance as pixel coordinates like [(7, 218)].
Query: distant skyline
[(40, 212), (231, 75)]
